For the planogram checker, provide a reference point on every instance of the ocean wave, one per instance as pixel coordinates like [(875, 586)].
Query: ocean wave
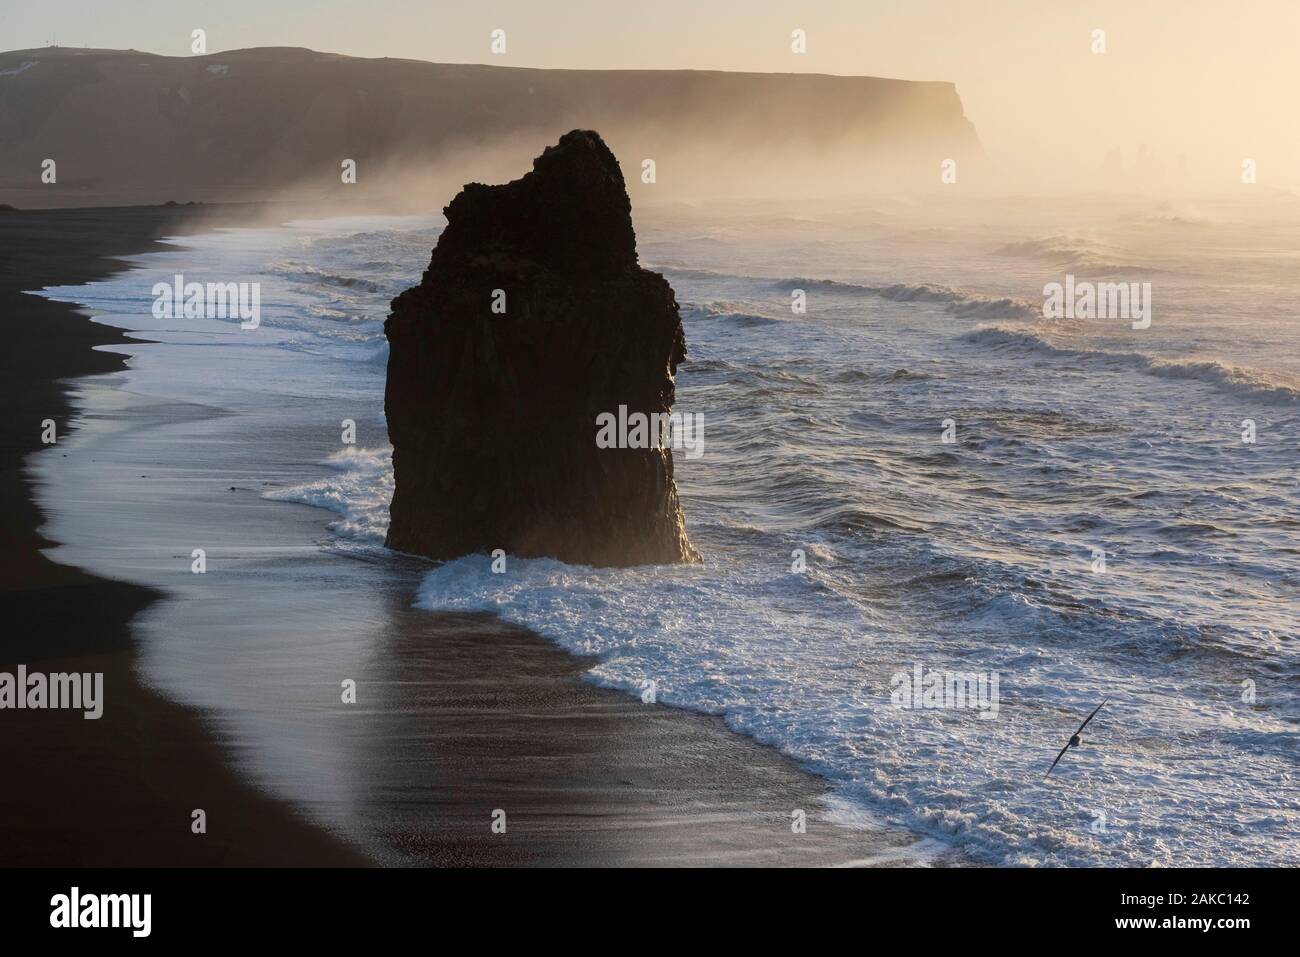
[(981, 308), (860, 376), (1071, 252), (303, 272), (1058, 249), (720, 312), (358, 489), (691, 272), (851, 519), (1255, 385), (963, 305), (1229, 378)]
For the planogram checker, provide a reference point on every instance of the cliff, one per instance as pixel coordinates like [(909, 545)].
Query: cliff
[(127, 127)]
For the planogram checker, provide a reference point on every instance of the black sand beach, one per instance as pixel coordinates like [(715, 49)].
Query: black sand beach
[(119, 790), (589, 775)]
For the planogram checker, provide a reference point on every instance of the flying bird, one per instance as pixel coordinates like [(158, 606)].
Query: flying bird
[(1075, 739)]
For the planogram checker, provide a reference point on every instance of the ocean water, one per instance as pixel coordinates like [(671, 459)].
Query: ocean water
[(1095, 527)]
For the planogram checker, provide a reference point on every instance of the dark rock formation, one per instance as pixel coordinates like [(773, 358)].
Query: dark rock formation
[(493, 415)]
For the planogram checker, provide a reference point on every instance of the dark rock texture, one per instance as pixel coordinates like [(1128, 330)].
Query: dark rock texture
[(492, 416)]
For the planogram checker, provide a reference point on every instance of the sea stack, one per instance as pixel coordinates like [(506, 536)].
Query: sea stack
[(533, 320)]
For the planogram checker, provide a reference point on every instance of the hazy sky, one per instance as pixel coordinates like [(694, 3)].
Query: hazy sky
[(1201, 85)]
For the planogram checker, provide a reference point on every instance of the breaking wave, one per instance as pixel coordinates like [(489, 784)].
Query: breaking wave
[(1249, 384)]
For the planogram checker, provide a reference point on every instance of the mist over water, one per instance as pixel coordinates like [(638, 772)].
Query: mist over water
[(824, 434)]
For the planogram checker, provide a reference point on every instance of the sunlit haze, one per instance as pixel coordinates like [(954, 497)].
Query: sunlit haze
[(1180, 97)]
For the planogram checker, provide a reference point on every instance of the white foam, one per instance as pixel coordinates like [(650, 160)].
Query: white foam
[(964, 557), (358, 489)]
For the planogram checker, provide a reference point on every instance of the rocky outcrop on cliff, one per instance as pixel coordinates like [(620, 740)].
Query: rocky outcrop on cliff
[(532, 321)]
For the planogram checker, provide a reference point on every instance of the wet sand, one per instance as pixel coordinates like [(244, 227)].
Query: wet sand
[(457, 716), (119, 790)]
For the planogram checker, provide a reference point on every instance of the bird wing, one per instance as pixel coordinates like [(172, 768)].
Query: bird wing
[(1058, 758), (1080, 731), (1093, 715)]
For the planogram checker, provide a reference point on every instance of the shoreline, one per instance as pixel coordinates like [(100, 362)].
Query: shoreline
[(591, 775), (119, 790)]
